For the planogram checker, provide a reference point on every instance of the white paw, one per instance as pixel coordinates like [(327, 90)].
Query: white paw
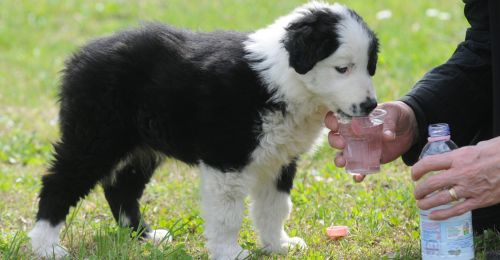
[(294, 243), (45, 240), (54, 251), (286, 244), (159, 235), (231, 254)]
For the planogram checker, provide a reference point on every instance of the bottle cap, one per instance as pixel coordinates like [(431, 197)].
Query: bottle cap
[(441, 129)]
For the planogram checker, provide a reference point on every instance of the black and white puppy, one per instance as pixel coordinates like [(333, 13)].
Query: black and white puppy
[(241, 107)]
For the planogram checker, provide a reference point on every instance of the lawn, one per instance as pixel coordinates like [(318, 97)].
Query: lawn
[(37, 36)]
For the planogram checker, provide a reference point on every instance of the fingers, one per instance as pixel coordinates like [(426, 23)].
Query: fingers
[(431, 163), (440, 198), (435, 183), (340, 160), (336, 140), (389, 132), (331, 122), (388, 135), (456, 210)]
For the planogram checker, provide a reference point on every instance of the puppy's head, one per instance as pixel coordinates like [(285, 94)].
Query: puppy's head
[(334, 53)]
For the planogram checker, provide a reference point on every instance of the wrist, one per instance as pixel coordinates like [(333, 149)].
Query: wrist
[(412, 121)]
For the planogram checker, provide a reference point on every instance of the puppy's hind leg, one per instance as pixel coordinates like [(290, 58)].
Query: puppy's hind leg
[(72, 175), (222, 195), (125, 187), (270, 207)]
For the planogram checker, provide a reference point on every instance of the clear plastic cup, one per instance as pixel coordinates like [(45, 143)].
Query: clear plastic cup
[(363, 136)]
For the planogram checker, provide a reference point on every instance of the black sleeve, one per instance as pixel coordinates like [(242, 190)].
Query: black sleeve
[(459, 91)]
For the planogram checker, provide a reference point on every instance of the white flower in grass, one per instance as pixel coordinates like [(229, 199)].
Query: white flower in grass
[(99, 7), (431, 12), (444, 16), (53, 121), (318, 178), (415, 27), (384, 14)]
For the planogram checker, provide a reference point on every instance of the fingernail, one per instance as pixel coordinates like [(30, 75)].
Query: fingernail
[(388, 133)]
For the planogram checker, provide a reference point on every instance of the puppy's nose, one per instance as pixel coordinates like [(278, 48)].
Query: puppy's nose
[(368, 105)]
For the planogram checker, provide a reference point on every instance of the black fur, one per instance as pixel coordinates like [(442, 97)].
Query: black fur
[(368, 105), (311, 38), (373, 55), (314, 37), (373, 48), (285, 181), (123, 194)]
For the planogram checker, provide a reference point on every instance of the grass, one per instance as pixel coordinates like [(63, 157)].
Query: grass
[(36, 37)]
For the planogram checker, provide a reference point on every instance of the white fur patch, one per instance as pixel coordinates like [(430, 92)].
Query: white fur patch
[(159, 235), (124, 220), (141, 153), (45, 240)]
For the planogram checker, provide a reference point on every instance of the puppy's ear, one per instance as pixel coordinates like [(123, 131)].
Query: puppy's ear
[(311, 38), (373, 54)]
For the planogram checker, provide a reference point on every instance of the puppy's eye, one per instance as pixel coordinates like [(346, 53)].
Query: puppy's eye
[(341, 70)]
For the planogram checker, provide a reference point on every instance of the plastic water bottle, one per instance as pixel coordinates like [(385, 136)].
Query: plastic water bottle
[(451, 238)]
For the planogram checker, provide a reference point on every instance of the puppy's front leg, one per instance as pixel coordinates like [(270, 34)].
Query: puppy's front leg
[(222, 195), (270, 207)]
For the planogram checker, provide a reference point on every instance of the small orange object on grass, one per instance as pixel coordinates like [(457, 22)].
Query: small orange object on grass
[(337, 232)]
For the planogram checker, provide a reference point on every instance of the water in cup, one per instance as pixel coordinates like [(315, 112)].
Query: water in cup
[(363, 136)]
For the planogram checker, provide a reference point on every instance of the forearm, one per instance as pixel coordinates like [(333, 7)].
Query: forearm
[(458, 93)]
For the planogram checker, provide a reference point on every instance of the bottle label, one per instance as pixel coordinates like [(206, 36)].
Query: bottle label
[(447, 238)]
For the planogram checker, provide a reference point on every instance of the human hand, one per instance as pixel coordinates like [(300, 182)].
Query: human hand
[(472, 171), (400, 129)]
